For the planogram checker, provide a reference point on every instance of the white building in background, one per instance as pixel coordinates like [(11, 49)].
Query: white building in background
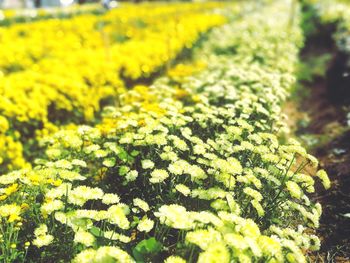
[(30, 3), (16, 3), (48, 3), (12, 3)]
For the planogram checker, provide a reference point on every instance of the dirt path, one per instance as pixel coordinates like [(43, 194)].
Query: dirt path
[(322, 127), (333, 150)]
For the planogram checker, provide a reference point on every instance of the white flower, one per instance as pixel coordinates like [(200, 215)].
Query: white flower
[(109, 199), (232, 165), (48, 207), (175, 216), (199, 149), (81, 194), (174, 259), (217, 252), (110, 162), (322, 174), (84, 238), (71, 175), (145, 225), (147, 164), (79, 162), (204, 237), (64, 164), (178, 143), (41, 236), (92, 148), (158, 176), (59, 191), (253, 193), (141, 204), (103, 254), (131, 176), (43, 240), (183, 189), (294, 189), (41, 230), (116, 215), (100, 153), (86, 256)]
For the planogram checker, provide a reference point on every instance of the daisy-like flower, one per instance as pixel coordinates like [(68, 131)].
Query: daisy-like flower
[(117, 215), (42, 240), (294, 189), (11, 212), (110, 199), (174, 259), (322, 174), (158, 176), (217, 252), (183, 189), (41, 236), (141, 204), (147, 164), (145, 225), (84, 238), (48, 207), (204, 238)]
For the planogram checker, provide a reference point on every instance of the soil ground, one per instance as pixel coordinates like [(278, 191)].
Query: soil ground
[(323, 127)]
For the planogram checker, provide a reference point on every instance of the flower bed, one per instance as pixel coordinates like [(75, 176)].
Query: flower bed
[(192, 168), (60, 72)]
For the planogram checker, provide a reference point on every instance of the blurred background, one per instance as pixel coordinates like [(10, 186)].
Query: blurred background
[(41, 3), (10, 4)]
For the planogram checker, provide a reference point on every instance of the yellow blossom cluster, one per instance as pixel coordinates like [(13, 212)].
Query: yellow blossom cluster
[(11, 155), (55, 72), (8, 16)]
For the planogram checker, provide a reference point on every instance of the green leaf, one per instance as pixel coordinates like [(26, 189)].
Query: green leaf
[(123, 155), (134, 153), (123, 170), (146, 248), (96, 231), (135, 221), (276, 221), (138, 256), (110, 162)]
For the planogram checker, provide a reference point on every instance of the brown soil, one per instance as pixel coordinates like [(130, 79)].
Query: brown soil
[(325, 123)]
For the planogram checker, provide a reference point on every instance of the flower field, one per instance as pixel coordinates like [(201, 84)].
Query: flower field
[(156, 132)]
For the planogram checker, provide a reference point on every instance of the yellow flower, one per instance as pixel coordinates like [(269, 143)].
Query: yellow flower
[(4, 124), (12, 211), (11, 189), (217, 252), (322, 174), (24, 206), (174, 259), (84, 238), (294, 189)]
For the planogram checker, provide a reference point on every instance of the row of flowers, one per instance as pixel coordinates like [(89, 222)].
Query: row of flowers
[(338, 14), (25, 15), (193, 168), (56, 72)]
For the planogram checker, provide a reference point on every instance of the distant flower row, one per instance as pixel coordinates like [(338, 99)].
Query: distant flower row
[(10, 16), (55, 72)]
